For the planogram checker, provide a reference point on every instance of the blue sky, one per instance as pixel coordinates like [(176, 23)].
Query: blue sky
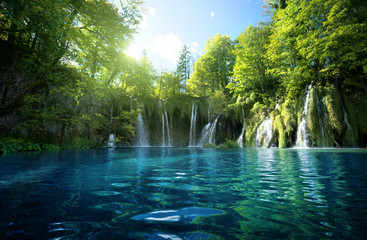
[(169, 24)]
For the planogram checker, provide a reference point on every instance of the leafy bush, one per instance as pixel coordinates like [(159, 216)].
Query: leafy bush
[(79, 143), (229, 144), (11, 145), (210, 145)]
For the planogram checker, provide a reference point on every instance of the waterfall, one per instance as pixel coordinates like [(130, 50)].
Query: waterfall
[(142, 140), (302, 131), (240, 138), (192, 137), (208, 133), (163, 132), (263, 133), (204, 134), (168, 131), (212, 131), (111, 141)]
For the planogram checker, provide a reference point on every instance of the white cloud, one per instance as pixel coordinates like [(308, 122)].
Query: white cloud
[(144, 22), (150, 11), (212, 14), (194, 47), (167, 46)]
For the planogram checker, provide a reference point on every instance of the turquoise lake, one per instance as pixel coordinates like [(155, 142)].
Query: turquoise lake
[(184, 193)]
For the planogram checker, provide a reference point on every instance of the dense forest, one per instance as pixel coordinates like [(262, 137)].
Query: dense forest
[(299, 79)]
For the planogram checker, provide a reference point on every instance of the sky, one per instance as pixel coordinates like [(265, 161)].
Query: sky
[(168, 25)]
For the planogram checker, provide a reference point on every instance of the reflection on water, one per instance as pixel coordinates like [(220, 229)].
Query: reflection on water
[(184, 193)]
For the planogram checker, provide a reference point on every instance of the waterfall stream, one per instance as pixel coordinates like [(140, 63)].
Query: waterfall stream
[(163, 132), (208, 133), (166, 130), (142, 134), (204, 134), (111, 141), (212, 131), (302, 130), (192, 136), (263, 133), (240, 138)]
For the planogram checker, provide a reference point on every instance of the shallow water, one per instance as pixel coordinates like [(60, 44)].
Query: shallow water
[(184, 193)]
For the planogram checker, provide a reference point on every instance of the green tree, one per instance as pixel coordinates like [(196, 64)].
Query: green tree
[(184, 66), (139, 78), (168, 85), (213, 70), (43, 34), (251, 71), (319, 41)]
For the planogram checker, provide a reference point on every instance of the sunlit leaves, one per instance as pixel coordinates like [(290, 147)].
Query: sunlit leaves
[(251, 71), (214, 69)]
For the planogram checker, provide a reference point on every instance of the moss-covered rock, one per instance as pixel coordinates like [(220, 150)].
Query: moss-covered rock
[(281, 129), (334, 111), (355, 105)]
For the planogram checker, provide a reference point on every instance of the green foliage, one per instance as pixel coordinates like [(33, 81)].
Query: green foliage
[(251, 71), (124, 126), (218, 102), (168, 85), (229, 144), (210, 145), (334, 109), (282, 135), (11, 145), (214, 69), (139, 79), (184, 67), (79, 143)]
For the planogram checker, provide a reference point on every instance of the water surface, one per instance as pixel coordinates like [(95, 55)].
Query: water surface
[(184, 193)]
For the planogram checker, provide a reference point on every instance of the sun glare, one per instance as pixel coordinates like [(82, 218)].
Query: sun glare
[(134, 51)]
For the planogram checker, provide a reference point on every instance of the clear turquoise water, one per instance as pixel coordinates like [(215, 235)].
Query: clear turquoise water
[(184, 193)]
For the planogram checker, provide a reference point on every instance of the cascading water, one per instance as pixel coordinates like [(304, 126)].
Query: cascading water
[(192, 136), (163, 132), (212, 131), (142, 135), (208, 133), (111, 141), (240, 138), (302, 130), (263, 133), (204, 134), (168, 130)]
